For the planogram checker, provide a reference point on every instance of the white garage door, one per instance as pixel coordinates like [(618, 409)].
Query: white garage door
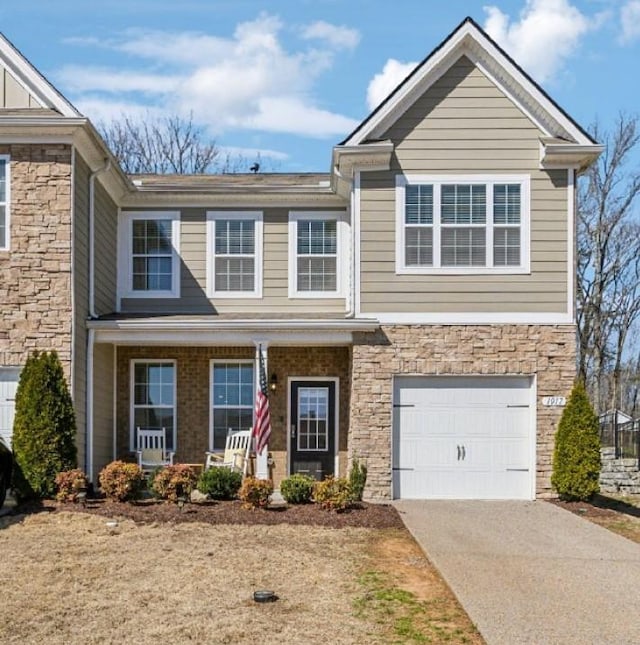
[(8, 385), (463, 438)]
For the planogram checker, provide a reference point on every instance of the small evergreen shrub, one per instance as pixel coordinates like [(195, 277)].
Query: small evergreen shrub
[(357, 479), (122, 481), (69, 483), (576, 456), (44, 428), (220, 483), (332, 493), (255, 493), (297, 489), (172, 482)]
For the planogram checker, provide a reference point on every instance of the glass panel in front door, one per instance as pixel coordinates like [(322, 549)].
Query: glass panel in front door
[(313, 419)]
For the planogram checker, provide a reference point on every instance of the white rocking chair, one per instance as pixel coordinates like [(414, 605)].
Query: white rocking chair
[(152, 451), (236, 453)]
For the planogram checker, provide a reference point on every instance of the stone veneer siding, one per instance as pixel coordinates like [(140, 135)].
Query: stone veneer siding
[(193, 394), (35, 290), (546, 351)]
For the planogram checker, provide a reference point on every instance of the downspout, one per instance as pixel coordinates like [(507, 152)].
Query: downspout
[(351, 311), (92, 315)]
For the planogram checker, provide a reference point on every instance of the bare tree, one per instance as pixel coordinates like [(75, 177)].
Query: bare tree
[(170, 144), (608, 262)]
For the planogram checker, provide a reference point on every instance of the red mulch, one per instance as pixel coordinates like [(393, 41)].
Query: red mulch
[(375, 516)]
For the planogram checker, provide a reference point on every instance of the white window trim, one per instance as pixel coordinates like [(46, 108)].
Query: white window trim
[(212, 217), (489, 180), (342, 253), (7, 203), (225, 361), (125, 255), (132, 406)]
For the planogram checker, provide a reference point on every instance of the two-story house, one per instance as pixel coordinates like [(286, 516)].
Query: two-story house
[(414, 305)]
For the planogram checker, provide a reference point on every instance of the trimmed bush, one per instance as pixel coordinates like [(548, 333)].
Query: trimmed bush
[(69, 483), (220, 483), (121, 481), (297, 489), (44, 429), (173, 482), (576, 456), (357, 479), (332, 493), (255, 493)]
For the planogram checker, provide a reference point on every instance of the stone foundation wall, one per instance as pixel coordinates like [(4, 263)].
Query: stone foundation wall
[(544, 351), (193, 394), (35, 290), (618, 475)]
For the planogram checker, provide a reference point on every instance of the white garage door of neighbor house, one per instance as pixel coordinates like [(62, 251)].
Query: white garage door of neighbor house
[(8, 385), (463, 437)]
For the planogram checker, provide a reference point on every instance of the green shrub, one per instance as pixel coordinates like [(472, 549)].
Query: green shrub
[(121, 481), (44, 429), (357, 479), (576, 456), (173, 482), (332, 493), (220, 483), (297, 489), (255, 493), (69, 483)]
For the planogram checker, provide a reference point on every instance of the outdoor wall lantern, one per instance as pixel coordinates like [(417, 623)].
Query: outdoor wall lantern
[(273, 383)]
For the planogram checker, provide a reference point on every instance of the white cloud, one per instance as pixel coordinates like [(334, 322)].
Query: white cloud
[(383, 83), (546, 35), (247, 81), (338, 36), (106, 110), (630, 21), (252, 153)]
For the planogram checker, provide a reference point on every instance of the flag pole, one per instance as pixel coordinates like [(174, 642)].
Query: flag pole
[(262, 467)]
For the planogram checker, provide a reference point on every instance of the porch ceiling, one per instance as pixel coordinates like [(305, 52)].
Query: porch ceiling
[(202, 330)]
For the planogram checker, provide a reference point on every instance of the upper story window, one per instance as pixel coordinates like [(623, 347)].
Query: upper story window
[(149, 250), (234, 254), (4, 202), (465, 224), (316, 254)]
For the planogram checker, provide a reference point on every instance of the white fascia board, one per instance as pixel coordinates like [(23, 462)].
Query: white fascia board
[(470, 41), (32, 81)]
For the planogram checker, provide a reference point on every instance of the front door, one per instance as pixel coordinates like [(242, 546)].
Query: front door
[(313, 428)]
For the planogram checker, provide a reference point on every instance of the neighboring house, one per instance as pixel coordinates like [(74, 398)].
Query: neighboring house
[(414, 305)]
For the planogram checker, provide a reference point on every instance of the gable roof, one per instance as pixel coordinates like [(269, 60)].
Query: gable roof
[(43, 93), (469, 39)]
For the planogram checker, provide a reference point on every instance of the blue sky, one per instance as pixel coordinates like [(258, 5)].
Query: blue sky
[(290, 78)]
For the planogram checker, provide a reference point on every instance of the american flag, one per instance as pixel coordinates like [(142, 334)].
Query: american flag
[(262, 425)]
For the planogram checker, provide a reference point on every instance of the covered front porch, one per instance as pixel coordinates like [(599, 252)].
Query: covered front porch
[(198, 386)]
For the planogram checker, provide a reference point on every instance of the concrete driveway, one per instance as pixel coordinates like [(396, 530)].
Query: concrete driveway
[(530, 572)]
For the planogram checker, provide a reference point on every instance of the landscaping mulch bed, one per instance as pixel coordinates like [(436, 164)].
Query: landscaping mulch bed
[(373, 516), (600, 506)]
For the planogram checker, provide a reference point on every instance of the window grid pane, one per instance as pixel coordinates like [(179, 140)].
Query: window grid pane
[(153, 398), (234, 249), (506, 246), (317, 243), (506, 204), (313, 425), (419, 204), (152, 255), (463, 204), (463, 247), (233, 392), (419, 246)]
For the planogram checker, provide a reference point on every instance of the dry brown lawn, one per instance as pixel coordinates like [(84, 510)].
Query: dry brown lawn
[(68, 578)]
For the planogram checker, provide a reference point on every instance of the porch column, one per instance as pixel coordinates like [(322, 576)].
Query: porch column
[(262, 467)]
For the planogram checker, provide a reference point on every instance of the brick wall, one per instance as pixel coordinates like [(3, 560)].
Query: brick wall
[(35, 289), (545, 351), (193, 393)]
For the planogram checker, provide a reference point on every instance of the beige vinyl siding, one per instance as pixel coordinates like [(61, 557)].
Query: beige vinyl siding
[(81, 297), (13, 95), (464, 125), (106, 232), (103, 393), (275, 289)]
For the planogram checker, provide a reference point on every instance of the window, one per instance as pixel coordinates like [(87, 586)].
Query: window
[(234, 254), (315, 254), (149, 248), (462, 224), (4, 202), (153, 398), (232, 399)]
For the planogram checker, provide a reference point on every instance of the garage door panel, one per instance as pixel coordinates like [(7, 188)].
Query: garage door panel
[(8, 386), (463, 438)]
